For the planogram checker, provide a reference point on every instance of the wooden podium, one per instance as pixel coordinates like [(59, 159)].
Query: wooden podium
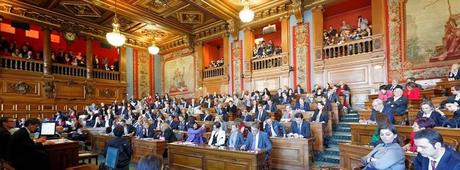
[(62, 154)]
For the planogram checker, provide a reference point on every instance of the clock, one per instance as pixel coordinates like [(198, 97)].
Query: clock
[(70, 36)]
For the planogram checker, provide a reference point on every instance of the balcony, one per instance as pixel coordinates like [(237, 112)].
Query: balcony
[(106, 75), (356, 47), (15, 63), (68, 70), (269, 62), (213, 72)]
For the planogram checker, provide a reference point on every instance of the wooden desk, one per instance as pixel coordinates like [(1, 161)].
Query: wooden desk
[(184, 157), (291, 153), (362, 134), (350, 156), (99, 141), (142, 147), (62, 154)]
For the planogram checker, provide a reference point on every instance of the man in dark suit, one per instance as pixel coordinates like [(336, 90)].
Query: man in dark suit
[(394, 85), (127, 128), (261, 114), (302, 105), (167, 133), (433, 154), (206, 116), (145, 131), (270, 107), (231, 107), (274, 128), (398, 103), (257, 140), (6, 124), (300, 127), (246, 117), (222, 112), (125, 150), (378, 107), (455, 97), (24, 153)]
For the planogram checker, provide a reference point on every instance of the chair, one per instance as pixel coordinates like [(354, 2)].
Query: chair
[(84, 167)]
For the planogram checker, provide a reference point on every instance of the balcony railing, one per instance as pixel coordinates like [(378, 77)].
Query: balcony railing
[(269, 62), (106, 75), (213, 72), (362, 46), (15, 63), (68, 70)]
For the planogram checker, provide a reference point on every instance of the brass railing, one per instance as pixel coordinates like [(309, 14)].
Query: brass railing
[(106, 75), (68, 70), (355, 47), (213, 72), (16, 63), (269, 62)]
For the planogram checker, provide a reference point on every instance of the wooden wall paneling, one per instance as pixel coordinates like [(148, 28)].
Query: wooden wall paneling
[(71, 90)]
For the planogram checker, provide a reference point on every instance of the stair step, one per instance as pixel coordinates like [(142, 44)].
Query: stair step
[(342, 129), (329, 158), (332, 151), (321, 164), (346, 119), (337, 141)]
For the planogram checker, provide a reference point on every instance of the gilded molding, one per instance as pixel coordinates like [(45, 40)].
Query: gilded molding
[(176, 44), (211, 31), (264, 16)]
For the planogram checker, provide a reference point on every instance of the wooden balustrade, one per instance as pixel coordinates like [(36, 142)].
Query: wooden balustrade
[(365, 45), (15, 63), (106, 75), (213, 72), (269, 62), (68, 70)]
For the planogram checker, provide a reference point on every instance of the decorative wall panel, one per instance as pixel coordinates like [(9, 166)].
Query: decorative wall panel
[(179, 74)]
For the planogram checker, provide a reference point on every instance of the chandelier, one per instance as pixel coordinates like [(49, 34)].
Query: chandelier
[(153, 49), (115, 38), (247, 14)]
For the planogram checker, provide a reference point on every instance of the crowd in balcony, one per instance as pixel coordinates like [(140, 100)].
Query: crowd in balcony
[(265, 49), (25, 51), (216, 63), (347, 33)]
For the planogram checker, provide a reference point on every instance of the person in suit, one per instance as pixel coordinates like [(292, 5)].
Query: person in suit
[(378, 107), (302, 105), (246, 117), (429, 111), (394, 85), (454, 122), (257, 140), (398, 103), (217, 135), (125, 150), (167, 133), (236, 137), (195, 134), (288, 114), (182, 123), (386, 155), (320, 114), (270, 107), (454, 73), (173, 122), (231, 107), (6, 124), (454, 97), (432, 152), (222, 112), (146, 130), (25, 153), (274, 128), (300, 127), (299, 90), (206, 116), (285, 99), (128, 129), (261, 114)]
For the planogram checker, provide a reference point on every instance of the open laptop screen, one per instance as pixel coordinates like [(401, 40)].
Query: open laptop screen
[(48, 129)]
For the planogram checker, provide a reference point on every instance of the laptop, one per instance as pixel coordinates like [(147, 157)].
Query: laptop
[(48, 130)]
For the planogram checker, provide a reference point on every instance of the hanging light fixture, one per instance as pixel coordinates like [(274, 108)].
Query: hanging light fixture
[(153, 49), (247, 14), (115, 38)]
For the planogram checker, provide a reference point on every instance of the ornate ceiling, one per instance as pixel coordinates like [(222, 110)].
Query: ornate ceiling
[(164, 21)]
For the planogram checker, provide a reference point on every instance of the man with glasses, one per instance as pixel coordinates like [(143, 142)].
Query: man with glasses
[(6, 124)]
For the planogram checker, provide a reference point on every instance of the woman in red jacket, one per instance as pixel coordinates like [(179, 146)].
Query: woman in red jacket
[(412, 92)]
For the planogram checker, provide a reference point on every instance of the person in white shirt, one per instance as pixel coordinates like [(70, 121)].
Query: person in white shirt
[(217, 135)]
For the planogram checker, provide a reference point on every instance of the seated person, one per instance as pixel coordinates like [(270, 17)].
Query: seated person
[(454, 73), (236, 136), (419, 124), (217, 135), (285, 99), (128, 129), (455, 121), (394, 85), (429, 111), (246, 117), (261, 114), (206, 116), (302, 105), (167, 133), (386, 155), (412, 92), (397, 103), (195, 134), (381, 121), (455, 97), (432, 150), (378, 107), (384, 94), (299, 127), (274, 128), (299, 90), (182, 123), (146, 130), (320, 115), (270, 106), (288, 114), (257, 140), (222, 112), (125, 150)]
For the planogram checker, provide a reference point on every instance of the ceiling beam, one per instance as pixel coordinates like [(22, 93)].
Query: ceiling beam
[(212, 13), (143, 15), (224, 10)]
